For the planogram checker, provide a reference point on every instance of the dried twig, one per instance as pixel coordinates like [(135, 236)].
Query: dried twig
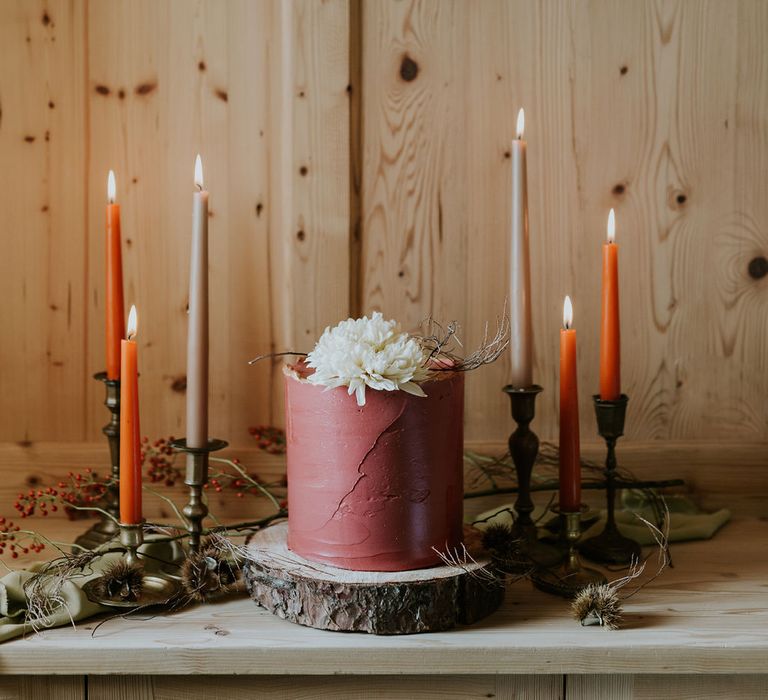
[(272, 355), (439, 342), (44, 589), (601, 604), (462, 559)]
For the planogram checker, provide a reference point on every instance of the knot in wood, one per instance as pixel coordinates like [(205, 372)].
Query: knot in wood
[(758, 267), (409, 69)]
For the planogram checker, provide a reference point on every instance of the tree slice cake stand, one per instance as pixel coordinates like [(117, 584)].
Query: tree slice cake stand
[(402, 602)]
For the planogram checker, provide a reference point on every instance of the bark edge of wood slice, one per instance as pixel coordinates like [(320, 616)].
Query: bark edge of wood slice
[(402, 602)]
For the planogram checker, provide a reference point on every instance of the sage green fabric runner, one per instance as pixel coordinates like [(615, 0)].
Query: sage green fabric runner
[(76, 606), (687, 521)]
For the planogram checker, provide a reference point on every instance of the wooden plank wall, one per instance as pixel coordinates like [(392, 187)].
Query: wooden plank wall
[(658, 109), (260, 90), (356, 154)]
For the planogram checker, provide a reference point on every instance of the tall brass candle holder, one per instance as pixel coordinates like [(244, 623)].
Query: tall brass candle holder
[(610, 546), (197, 476), (570, 577), (524, 448), (118, 590), (106, 528)]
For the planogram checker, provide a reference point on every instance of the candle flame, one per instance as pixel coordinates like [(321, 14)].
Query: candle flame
[(520, 123), (567, 313), (111, 187), (611, 227), (199, 172), (132, 325)]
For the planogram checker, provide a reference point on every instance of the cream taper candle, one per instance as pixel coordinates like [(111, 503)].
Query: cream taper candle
[(521, 330), (197, 333)]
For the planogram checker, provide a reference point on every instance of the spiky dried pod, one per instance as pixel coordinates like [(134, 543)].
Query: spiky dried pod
[(207, 573), (598, 604), (120, 582), (498, 540)]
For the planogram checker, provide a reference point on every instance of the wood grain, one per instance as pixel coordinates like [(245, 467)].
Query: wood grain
[(412, 189), (614, 98), (43, 268), (184, 88), (393, 687), (42, 688), (141, 88), (317, 595), (310, 167), (356, 157), (707, 615), (650, 687), (719, 475)]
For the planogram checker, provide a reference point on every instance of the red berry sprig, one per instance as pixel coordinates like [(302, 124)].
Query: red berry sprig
[(12, 541), (79, 490), (269, 438), (159, 460), (236, 482)]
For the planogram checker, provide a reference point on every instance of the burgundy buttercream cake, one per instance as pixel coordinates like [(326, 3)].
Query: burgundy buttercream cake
[(377, 487)]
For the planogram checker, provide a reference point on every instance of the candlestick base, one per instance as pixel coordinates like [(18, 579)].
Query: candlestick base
[(197, 476), (106, 528), (524, 448), (569, 578), (156, 589), (610, 546), (132, 537)]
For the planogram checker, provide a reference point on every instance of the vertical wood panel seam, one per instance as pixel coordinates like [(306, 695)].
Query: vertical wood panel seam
[(355, 91), (86, 219)]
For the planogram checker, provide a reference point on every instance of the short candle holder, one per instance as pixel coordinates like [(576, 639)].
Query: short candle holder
[(524, 448), (610, 546), (106, 528), (570, 577), (132, 537), (197, 476), (155, 588)]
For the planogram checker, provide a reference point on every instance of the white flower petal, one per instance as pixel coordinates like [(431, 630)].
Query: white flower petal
[(368, 352), (413, 389)]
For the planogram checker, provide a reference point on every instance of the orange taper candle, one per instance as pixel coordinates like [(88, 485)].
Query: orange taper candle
[(130, 442), (114, 295), (610, 343), (570, 457)]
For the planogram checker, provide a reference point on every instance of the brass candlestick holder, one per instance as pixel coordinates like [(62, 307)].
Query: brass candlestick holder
[(119, 590), (106, 528), (524, 448), (610, 546), (570, 577), (197, 476), (132, 537)]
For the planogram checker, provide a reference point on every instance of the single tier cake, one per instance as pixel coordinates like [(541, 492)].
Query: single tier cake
[(378, 486)]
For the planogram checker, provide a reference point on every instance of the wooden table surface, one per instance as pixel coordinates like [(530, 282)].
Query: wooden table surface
[(706, 615)]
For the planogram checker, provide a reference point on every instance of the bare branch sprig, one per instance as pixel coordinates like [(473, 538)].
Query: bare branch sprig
[(601, 604), (440, 341), (272, 355)]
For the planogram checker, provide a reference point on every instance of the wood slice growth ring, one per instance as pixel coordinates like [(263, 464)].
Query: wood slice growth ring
[(403, 602)]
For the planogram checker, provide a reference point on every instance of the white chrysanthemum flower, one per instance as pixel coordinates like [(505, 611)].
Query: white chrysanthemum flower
[(368, 352)]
